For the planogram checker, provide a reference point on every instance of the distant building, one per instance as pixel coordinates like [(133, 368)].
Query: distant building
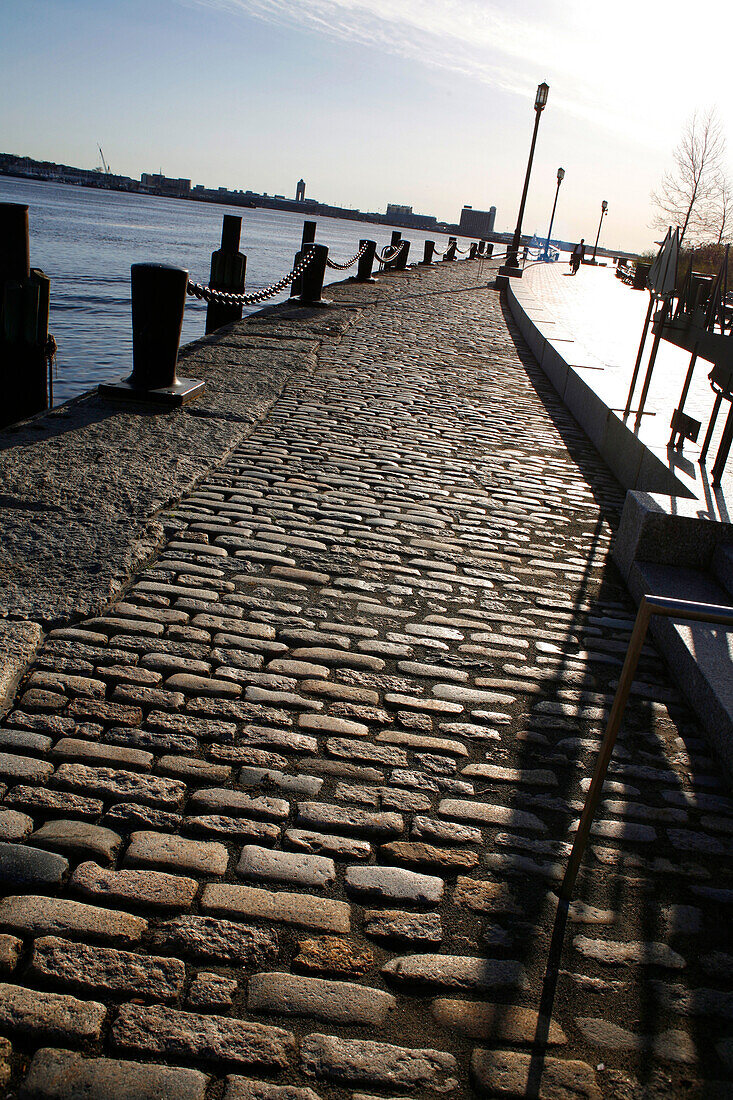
[(396, 212), (300, 191), (477, 223), (163, 185)]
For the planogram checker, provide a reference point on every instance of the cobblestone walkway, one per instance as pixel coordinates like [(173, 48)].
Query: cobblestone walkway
[(286, 822)]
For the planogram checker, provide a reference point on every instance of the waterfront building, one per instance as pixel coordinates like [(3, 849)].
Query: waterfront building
[(477, 223)]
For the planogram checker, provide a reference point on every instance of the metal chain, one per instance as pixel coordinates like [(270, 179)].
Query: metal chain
[(389, 253), (461, 251), (351, 262), (223, 297)]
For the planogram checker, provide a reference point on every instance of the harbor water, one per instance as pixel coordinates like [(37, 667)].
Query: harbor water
[(85, 240)]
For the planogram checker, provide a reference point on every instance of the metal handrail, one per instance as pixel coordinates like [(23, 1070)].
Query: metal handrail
[(650, 605)]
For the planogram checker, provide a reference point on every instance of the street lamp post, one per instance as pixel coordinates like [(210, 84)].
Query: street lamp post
[(513, 251), (560, 178), (604, 210)]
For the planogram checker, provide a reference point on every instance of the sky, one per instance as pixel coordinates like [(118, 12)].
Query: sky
[(427, 103)]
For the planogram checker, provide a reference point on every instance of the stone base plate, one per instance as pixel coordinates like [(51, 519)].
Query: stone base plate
[(183, 391)]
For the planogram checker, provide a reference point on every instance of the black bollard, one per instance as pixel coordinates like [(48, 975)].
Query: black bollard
[(24, 304), (309, 236), (472, 250), (400, 261), (158, 293), (389, 265), (228, 267), (428, 253), (489, 248), (450, 252), (481, 247), (311, 280), (366, 263)]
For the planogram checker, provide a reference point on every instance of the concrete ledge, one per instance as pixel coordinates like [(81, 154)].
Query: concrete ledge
[(635, 464), (661, 531)]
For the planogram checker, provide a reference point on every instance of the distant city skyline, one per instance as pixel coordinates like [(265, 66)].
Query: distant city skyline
[(426, 103)]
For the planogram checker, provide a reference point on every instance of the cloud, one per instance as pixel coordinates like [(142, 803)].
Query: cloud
[(578, 46)]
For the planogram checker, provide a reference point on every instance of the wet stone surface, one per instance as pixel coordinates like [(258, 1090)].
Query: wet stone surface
[(287, 821)]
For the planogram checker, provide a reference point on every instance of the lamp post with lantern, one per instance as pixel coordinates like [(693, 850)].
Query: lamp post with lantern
[(560, 178), (512, 262), (604, 210)]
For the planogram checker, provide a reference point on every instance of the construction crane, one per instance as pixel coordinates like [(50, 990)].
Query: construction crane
[(105, 166)]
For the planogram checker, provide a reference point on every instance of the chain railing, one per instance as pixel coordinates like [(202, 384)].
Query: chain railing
[(350, 263), (389, 253), (223, 297)]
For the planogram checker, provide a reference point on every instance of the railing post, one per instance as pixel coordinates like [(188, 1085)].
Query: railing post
[(400, 261), (472, 250), (450, 252), (366, 263), (428, 253), (395, 239), (309, 236), (158, 293), (228, 267), (481, 247), (24, 304), (311, 280), (489, 249)]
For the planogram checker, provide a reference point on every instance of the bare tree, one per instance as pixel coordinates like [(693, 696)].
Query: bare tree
[(723, 208), (689, 194)]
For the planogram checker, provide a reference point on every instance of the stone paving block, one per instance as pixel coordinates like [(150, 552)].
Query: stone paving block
[(90, 752), (35, 916), (119, 785), (243, 1088), (456, 972), (78, 840), (14, 825), (320, 816), (176, 853), (394, 924), (390, 884), (10, 949), (211, 992), (333, 955), (340, 1002), (507, 1073), (291, 868), (305, 910), (360, 1061), (105, 970), (223, 800), (220, 941), (498, 1022), (24, 769), (28, 1012), (64, 1075), (218, 1039), (23, 865)]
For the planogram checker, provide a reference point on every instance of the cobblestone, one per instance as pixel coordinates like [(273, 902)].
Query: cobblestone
[(352, 706), (64, 1075)]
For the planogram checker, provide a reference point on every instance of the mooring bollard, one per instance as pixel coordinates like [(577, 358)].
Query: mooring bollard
[(394, 243), (450, 252), (366, 263), (228, 268), (481, 247), (309, 236), (427, 257), (489, 249), (24, 304), (311, 293), (472, 250), (400, 261), (158, 293)]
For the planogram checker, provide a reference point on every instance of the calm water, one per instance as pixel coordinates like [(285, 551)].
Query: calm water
[(85, 240)]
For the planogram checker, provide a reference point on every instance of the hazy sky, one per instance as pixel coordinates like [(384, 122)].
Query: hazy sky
[(424, 102)]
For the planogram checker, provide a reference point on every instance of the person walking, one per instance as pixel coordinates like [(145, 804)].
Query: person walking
[(577, 256)]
